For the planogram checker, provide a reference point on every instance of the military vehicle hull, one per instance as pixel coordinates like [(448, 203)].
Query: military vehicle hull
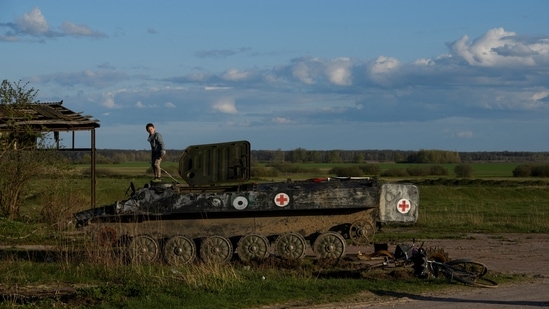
[(216, 223)]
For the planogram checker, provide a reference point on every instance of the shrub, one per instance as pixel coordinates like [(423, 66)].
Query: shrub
[(260, 171), (439, 170), (463, 171), (540, 170), (395, 172), (288, 168), (350, 171), (371, 169), (523, 170), (418, 171), (60, 200)]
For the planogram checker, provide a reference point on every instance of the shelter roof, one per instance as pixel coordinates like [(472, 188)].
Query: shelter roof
[(49, 116)]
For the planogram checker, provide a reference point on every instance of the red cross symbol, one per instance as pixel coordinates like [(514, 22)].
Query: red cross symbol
[(282, 199), (403, 206)]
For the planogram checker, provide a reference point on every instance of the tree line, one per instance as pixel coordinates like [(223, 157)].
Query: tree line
[(301, 155)]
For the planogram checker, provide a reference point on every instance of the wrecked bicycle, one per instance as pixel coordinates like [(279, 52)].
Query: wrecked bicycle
[(466, 271), (433, 264)]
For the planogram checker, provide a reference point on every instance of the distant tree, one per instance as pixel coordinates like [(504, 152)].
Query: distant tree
[(279, 156), (358, 158), (333, 157), (298, 155), (314, 156), (434, 156)]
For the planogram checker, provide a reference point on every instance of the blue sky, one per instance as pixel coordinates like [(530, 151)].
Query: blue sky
[(320, 75)]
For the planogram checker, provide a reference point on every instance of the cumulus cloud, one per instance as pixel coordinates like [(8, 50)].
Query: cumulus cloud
[(226, 106), (108, 101), (339, 71), (34, 24), (384, 64), (307, 70), (498, 47), (169, 105)]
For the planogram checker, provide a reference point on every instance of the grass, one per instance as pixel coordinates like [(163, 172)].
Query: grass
[(197, 286), (492, 202)]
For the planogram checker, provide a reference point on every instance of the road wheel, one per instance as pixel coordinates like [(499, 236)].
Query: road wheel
[(252, 246), (179, 250), (330, 245), (290, 246)]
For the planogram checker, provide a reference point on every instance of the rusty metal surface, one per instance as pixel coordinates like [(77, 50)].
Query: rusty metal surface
[(307, 226)]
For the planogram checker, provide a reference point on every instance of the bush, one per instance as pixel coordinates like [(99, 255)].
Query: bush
[(463, 171), (418, 171), (540, 170), (350, 171), (371, 169), (531, 170), (260, 171), (288, 168), (523, 170), (438, 170), (60, 200), (395, 172)]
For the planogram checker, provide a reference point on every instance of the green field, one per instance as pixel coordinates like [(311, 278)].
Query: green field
[(490, 202)]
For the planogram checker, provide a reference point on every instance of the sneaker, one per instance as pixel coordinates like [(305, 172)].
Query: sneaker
[(156, 180)]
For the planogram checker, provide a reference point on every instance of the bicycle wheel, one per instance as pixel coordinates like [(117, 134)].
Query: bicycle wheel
[(469, 266), (467, 272)]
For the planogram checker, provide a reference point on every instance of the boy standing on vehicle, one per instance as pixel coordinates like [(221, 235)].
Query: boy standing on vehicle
[(157, 150)]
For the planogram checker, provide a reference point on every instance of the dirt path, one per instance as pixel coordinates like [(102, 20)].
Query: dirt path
[(502, 253)]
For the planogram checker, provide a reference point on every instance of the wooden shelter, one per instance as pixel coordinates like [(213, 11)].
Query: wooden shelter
[(50, 117)]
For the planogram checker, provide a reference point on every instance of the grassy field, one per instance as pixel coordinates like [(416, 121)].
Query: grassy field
[(490, 202)]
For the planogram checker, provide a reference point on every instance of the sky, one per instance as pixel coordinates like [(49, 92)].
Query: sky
[(320, 75)]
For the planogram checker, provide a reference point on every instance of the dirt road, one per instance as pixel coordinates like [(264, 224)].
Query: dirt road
[(503, 253)]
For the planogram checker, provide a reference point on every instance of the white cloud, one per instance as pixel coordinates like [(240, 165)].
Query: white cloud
[(424, 62), (226, 106), (139, 104), (281, 120), (540, 95), (33, 22), (169, 105), (339, 71), (210, 88), (498, 47), (465, 134), (235, 75), (76, 30), (384, 65), (301, 72), (108, 101)]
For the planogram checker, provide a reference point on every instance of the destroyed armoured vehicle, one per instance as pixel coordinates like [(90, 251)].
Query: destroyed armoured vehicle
[(219, 213)]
